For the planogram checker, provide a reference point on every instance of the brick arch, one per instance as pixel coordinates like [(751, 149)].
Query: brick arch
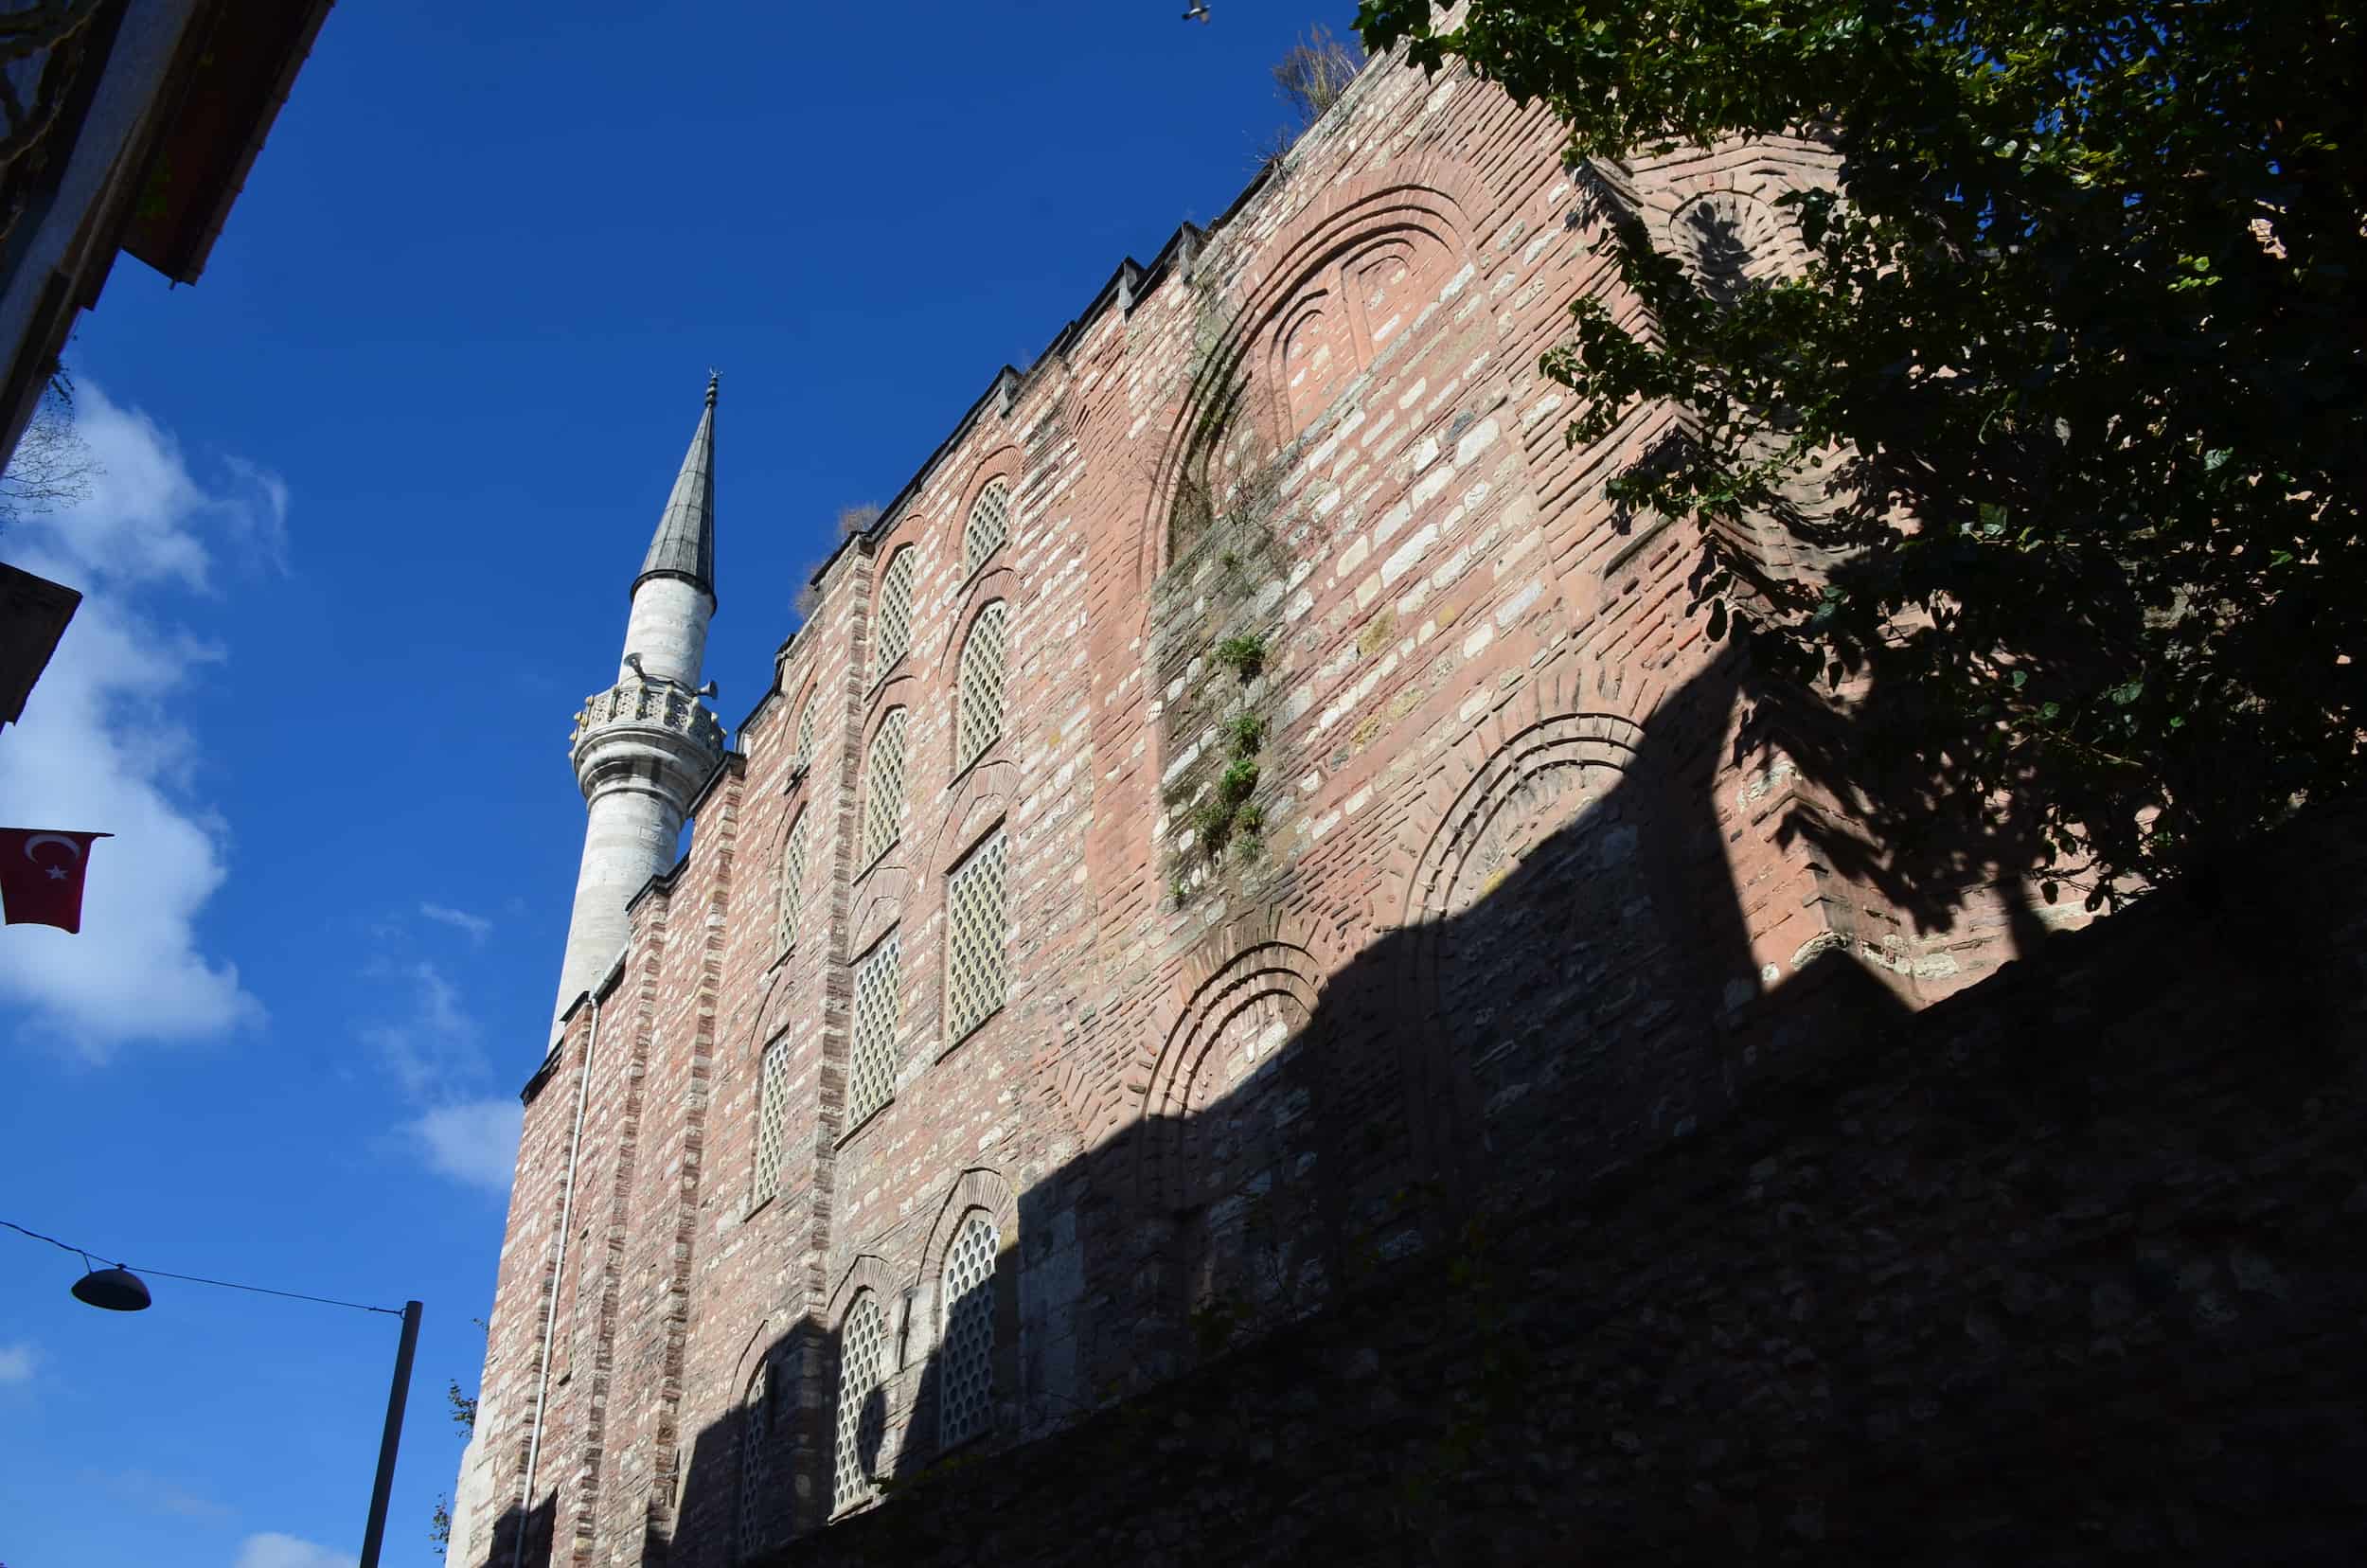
[(974, 803), (1433, 195), (902, 689), (1202, 974), (1501, 782), (1547, 823), (782, 826), (979, 1187), (772, 1013), (880, 905), (793, 702), (1006, 462), (1263, 971), (995, 583), (868, 1271), (778, 1321)]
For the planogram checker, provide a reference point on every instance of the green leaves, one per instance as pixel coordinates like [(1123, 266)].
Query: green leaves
[(2083, 318)]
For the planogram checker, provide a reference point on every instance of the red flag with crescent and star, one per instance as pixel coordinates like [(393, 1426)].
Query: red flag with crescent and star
[(40, 876)]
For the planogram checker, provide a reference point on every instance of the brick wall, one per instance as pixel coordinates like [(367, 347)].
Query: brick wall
[(1509, 892)]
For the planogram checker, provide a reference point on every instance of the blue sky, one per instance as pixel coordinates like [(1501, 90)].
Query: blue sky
[(372, 495)]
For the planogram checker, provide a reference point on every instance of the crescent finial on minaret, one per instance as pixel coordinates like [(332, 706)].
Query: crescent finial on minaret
[(715, 377)]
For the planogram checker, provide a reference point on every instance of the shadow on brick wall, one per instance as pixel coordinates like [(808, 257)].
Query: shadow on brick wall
[(1632, 1259)]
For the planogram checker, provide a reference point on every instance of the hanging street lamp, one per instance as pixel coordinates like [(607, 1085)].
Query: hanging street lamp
[(118, 1289)]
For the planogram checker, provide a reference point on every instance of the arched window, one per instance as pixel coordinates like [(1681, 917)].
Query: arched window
[(871, 1055), (756, 1445), (892, 629), (792, 883), (803, 758), (990, 526), (883, 808), (976, 980), (966, 1380), (771, 1114), (981, 699), (862, 1418)]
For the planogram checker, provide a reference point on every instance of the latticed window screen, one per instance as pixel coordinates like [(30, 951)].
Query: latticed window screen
[(895, 623), (804, 757), (871, 1067), (883, 808), (976, 979), (860, 1427), (756, 1445), (990, 526), (792, 883), (981, 684), (772, 1112), (966, 1400)]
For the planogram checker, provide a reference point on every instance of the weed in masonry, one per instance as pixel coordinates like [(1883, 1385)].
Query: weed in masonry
[(1245, 656)]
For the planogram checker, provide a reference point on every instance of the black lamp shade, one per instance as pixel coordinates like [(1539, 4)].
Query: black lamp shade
[(117, 1290)]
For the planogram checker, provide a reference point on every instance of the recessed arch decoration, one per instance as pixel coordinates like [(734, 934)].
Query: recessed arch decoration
[(1529, 783), (1275, 1120), (1728, 240), (1542, 948), (1332, 295), (979, 798)]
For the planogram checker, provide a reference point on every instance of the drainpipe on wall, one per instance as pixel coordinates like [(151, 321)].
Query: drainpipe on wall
[(558, 1276)]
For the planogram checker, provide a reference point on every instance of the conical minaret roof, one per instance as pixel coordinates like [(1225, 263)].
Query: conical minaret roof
[(685, 546)]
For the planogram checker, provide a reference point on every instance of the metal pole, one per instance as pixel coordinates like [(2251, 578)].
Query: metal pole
[(393, 1437)]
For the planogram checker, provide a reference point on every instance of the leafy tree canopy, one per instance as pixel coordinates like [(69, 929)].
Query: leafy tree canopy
[(2065, 398)]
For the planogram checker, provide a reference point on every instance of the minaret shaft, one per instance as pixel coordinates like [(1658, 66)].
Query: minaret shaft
[(668, 630), (644, 747)]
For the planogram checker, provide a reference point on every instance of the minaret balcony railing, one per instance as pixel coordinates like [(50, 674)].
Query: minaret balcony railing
[(658, 704)]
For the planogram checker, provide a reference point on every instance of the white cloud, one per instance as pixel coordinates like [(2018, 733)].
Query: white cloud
[(430, 1049), (433, 1046), (474, 1141), (103, 746), (146, 518), (477, 926), (16, 1363), (274, 1550), (159, 1495)]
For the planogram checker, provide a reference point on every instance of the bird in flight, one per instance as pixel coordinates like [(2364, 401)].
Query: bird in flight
[(1198, 14)]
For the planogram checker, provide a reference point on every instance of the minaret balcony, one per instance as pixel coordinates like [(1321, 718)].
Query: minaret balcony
[(641, 702)]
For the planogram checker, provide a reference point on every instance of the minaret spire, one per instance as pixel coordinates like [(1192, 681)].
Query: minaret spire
[(645, 746), (684, 543)]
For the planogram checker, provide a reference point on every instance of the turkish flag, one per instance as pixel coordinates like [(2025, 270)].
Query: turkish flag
[(40, 876)]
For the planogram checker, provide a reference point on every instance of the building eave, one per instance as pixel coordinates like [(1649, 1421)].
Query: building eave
[(239, 66)]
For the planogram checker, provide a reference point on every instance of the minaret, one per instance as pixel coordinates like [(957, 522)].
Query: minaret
[(645, 746)]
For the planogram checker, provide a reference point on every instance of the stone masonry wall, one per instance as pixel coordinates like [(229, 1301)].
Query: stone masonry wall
[(1505, 894), (2065, 1270)]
